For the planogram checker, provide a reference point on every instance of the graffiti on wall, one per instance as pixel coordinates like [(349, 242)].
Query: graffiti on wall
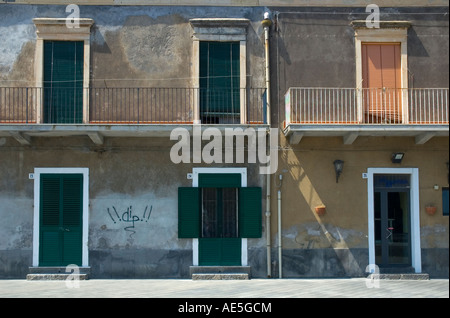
[(129, 217)]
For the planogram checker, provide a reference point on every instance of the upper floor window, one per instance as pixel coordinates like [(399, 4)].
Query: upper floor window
[(220, 82), (220, 70), (62, 71)]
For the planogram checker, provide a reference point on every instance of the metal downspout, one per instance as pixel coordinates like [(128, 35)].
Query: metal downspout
[(267, 23)]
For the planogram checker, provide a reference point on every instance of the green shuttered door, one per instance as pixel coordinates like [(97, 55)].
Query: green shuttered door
[(220, 251), (63, 82), (61, 202)]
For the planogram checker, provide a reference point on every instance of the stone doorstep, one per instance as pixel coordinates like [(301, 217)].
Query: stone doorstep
[(220, 272), (56, 270), (57, 276), (220, 276), (400, 276), (57, 273)]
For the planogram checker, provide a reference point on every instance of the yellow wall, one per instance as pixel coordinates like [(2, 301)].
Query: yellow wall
[(309, 180)]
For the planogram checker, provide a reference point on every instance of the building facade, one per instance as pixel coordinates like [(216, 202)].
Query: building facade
[(141, 139)]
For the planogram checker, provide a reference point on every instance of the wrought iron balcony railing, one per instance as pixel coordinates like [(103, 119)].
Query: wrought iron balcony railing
[(344, 106), (31, 105)]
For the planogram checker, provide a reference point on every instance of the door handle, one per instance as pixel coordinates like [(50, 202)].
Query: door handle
[(389, 229), (63, 229)]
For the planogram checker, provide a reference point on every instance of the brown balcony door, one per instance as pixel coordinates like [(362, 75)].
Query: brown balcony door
[(381, 70)]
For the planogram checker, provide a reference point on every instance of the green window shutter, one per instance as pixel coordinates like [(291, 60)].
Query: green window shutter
[(188, 212), (220, 78), (219, 180), (63, 81), (250, 212)]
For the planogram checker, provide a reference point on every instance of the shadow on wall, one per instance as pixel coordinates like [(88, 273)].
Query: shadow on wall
[(315, 244)]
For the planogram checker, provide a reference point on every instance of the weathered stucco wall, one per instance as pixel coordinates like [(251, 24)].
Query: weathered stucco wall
[(133, 205), (309, 180), (152, 46), (130, 46), (315, 47)]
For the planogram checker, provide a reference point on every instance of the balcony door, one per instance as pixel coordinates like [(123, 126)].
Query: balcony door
[(220, 82), (63, 82), (382, 82)]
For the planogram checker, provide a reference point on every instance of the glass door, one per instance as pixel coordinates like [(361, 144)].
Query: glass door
[(392, 224)]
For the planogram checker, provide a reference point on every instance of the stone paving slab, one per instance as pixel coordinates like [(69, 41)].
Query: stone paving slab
[(254, 288)]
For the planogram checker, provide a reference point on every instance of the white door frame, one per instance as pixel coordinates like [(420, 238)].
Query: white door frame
[(416, 260), (243, 173), (37, 195)]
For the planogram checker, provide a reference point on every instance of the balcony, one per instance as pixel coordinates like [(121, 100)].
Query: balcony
[(348, 112), (124, 112)]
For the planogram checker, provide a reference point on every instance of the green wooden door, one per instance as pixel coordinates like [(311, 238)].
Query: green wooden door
[(220, 213), (60, 232), (220, 243), (63, 82), (220, 251)]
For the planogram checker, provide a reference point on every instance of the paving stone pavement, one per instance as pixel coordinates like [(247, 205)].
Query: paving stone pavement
[(254, 288)]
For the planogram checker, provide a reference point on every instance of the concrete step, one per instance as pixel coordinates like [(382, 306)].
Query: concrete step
[(220, 272), (222, 276), (58, 273), (57, 276), (407, 276)]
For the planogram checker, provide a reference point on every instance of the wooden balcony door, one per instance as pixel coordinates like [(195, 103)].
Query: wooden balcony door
[(382, 88), (63, 82)]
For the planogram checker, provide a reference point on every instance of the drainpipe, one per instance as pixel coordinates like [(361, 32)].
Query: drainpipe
[(267, 23), (280, 268)]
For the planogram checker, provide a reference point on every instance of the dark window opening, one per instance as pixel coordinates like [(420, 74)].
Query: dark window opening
[(220, 212)]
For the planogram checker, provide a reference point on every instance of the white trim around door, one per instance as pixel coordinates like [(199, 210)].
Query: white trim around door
[(195, 173), (416, 260), (37, 185)]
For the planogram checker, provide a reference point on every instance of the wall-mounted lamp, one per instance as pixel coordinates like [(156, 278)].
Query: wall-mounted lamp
[(338, 167), (397, 157)]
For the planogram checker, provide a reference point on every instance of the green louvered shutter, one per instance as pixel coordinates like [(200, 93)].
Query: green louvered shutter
[(188, 212), (72, 206), (220, 80), (63, 82), (250, 212), (50, 240), (61, 201)]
